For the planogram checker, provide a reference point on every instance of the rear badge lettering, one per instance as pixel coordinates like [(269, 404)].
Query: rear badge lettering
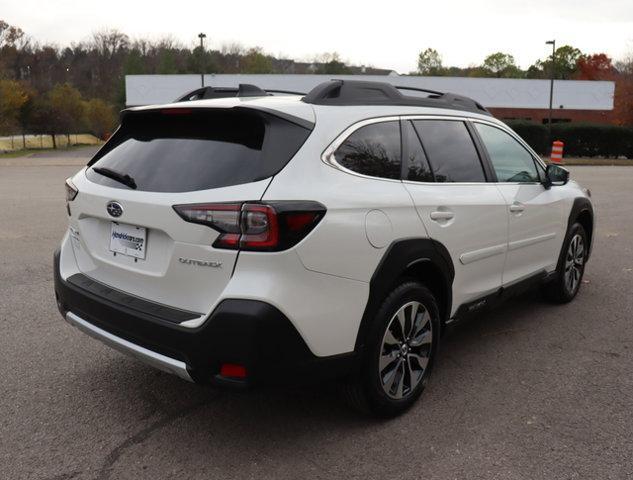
[(200, 263)]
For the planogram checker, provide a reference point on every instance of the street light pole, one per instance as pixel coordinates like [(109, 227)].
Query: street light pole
[(201, 36), (551, 90)]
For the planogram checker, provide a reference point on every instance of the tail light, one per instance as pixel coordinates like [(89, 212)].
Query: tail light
[(271, 227), (231, 370), (71, 193), (71, 190), (176, 111)]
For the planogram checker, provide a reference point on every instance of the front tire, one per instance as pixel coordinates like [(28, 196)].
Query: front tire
[(400, 349), (571, 267)]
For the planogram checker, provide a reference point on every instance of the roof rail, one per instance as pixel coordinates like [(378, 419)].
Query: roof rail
[(289, 92), (416, 89), (359, 92), (207, 92), (243, 90)]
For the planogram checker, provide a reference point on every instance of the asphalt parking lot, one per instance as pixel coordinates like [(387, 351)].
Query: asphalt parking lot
[(528, 391)]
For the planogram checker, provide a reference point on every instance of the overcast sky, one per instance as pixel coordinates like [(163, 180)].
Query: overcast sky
[(385, 34)]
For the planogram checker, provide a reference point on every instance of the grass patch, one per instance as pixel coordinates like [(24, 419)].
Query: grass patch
[(41, 142), (594, 161), (30, 151), (599, 161)]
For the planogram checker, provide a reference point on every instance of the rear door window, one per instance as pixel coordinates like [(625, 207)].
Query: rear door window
[(417, 167), (451, 151), (373, 150), (182, 150)]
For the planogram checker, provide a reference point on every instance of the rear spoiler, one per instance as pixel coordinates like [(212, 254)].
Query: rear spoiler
[(302, 122)]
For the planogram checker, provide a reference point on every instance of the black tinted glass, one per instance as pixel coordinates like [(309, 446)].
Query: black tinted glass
[(418, 168), (186, 150), (451, 151), (372, 150)]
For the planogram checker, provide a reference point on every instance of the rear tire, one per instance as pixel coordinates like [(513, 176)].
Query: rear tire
[(399, 352), (571, 267)]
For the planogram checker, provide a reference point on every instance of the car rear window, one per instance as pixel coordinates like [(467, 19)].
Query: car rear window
[(183, 150), (372, 150)]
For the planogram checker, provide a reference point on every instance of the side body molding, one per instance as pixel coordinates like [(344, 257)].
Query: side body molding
[(400, 257)]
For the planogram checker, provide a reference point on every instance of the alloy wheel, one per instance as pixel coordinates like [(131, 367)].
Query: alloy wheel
[(406, 350), (574, 261)]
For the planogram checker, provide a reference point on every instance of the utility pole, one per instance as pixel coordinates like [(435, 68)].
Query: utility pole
[(551, 91), (202, 36)]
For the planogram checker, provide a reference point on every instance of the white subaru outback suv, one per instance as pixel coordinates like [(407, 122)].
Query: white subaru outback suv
[(239, 238)]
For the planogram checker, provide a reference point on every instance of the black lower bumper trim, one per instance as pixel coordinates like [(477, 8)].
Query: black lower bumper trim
[(251, 333), (140, 306)]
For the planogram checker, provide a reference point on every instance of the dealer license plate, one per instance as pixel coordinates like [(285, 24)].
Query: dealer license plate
[(128, 240)]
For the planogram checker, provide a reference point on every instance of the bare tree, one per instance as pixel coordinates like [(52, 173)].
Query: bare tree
[(232, 48), (625, 66), (10, 35), (109, 42)]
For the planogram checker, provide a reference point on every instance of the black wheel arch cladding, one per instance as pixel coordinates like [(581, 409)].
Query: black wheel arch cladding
[(404, 256), (582, 212)]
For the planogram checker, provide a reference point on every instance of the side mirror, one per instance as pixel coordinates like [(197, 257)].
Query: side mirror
[(555, 176)]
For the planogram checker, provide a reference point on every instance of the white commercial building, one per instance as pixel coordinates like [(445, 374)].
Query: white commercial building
[(495, 93)]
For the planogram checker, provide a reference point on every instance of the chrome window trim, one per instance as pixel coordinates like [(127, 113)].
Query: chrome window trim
[(327, 156), (413, 182)]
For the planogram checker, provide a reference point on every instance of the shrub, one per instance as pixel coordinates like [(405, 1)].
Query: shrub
[(100, 118), (534, 134), (580, 139)]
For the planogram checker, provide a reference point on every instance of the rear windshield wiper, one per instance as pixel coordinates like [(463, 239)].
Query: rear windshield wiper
[(125, 179)]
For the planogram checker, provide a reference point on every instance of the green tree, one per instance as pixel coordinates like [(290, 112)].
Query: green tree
[(535, 70), (335, 67), (100, 118), (429, 62), (566, 60), (501, 64), (12, 98), (477, 71), (66, 109), (134, 63), (201, 61), (27, 111), (166, 62), (565, 64), (255, 61), (40, 119), (331, 64)]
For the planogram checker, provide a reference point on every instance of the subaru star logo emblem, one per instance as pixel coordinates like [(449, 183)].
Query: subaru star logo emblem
[(114, 209)]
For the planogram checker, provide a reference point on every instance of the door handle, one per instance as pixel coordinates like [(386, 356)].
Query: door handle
[(442, 215), (517, 207)]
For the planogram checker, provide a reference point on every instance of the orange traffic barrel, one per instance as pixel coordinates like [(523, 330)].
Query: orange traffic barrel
[(557, 152)]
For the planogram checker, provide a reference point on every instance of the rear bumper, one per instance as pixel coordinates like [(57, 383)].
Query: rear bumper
[(150, 357), (250, 333)]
